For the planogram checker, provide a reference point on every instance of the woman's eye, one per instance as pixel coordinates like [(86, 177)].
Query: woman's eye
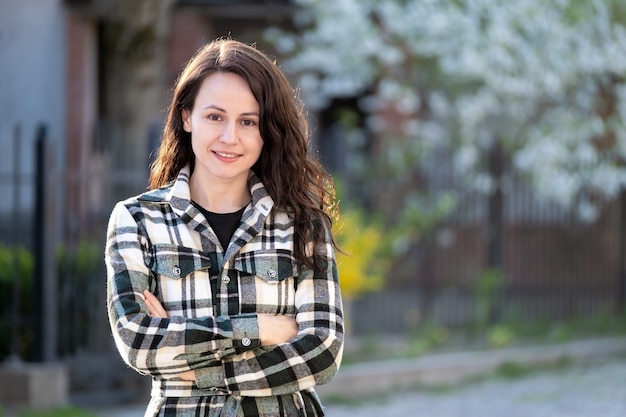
[(214, 117), (248, 122)]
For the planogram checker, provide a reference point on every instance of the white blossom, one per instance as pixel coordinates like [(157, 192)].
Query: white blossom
[(529, 73)]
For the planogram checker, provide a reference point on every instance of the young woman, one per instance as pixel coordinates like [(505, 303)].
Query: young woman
[(222, 283)]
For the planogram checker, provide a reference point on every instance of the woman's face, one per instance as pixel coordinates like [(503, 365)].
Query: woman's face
[(224, 127)]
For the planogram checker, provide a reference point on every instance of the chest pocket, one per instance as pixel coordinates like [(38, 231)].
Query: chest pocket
[(175, 271), (268, 281), (270, 266), (176, 262)]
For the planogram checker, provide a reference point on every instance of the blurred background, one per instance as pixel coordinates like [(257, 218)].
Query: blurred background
[(479, 151)]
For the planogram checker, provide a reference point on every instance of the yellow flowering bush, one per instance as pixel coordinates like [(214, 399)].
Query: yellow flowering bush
[(362, 266)]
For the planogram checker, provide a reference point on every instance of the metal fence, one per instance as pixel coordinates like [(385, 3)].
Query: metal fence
[(526, 258), (551, 265), (52, 239)]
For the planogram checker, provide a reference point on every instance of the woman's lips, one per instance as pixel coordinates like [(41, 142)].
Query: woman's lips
[(226, 156)]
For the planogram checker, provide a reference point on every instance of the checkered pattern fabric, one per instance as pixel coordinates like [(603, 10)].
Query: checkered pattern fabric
[(160, 242)]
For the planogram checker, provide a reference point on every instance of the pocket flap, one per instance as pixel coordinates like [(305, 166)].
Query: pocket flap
[(176, 261), (271, 266)]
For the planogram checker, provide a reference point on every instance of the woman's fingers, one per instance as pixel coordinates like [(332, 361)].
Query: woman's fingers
[(154, 306), (188, 376), (274, 330)]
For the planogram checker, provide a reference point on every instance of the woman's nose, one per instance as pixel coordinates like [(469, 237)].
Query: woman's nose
[(229, 134)]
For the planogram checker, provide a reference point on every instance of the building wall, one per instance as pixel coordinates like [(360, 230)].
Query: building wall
[(81, 120), (32, 87)]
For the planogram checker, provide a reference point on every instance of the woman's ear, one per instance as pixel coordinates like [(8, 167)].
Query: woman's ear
[(186, 116)]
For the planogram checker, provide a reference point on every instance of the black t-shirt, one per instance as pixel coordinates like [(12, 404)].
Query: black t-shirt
[(223, 224)]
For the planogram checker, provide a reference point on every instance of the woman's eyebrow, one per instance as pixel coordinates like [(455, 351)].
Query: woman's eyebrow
[(218, 108), (213, 106)]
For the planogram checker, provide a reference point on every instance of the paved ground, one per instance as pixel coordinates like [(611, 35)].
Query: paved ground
[(590, 390), (581, 391)]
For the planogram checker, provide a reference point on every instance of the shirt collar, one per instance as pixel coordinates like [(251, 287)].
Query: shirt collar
[(179, 196)]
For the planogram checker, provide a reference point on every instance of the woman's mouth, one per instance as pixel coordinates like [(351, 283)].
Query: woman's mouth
[(226, 155)]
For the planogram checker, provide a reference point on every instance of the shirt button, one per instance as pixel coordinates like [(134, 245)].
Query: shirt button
[(246, 341), (271, 273), (226, 280), (176, 270), (213, 389)]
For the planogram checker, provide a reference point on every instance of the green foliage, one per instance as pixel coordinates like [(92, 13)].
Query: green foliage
[(370, 344), (500, 336), (618, 11), (559, 333), (75, 269), (600, 324), (420, 215), (513, 370), (486, 290), (427, 338), (82, 261), (15, 261), (537, 328), (16, 264), (58, 412), (576, 12), (546, 329)]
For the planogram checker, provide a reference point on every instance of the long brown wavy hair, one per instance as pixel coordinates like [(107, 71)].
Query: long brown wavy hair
[(294, 179)]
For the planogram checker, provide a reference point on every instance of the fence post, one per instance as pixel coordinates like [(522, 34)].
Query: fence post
[(495, 222), (495, 211), (40, 385), (16, 320), (621, 292), (44, 284)]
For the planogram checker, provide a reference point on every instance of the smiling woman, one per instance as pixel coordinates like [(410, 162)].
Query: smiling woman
[(222, 281), (226, 141)]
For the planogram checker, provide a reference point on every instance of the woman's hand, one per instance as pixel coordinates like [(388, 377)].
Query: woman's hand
[(156, 310), (276, 329), (154, 305)]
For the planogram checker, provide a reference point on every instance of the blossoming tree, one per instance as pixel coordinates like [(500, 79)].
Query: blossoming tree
[(542, 80)]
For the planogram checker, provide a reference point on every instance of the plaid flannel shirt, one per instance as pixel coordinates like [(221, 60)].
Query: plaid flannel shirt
[(160, 242)]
